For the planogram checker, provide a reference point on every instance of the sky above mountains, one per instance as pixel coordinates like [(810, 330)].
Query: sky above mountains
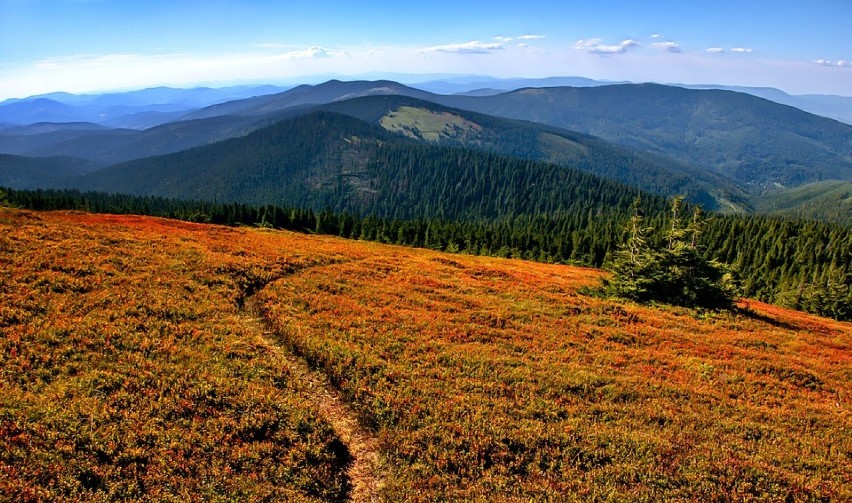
[(100, 45)]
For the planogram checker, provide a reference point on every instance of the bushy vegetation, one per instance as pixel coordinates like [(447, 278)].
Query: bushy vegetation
[(489, 379), (127, 372), (675, 273)]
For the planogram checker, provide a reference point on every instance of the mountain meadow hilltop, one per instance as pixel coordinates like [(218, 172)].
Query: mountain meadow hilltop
[(149, 359)]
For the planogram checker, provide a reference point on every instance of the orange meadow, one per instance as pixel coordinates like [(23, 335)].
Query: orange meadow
[(127, 370)]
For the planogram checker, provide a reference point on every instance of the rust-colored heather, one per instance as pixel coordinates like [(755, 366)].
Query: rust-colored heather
[(494, 379), (128, 371)]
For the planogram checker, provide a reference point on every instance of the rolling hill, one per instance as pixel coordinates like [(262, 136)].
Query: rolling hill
[(330, 160), (721, 148), (134, 109), (32, 173), (433, 124), (333, 90), (756, 142), (151, 359), (830, 200)]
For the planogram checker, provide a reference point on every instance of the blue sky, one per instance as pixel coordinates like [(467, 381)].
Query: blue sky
[(100, 45)]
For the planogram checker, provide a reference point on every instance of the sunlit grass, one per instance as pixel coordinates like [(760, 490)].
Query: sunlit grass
[(127, 371), (495, 377)]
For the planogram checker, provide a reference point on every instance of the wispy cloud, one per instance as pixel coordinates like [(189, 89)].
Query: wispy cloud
[(310, 52), (78, 61), (839, 62), (596, 46), (667, 47), (655, 35), (741, 50), (715, 50), (472, 47), (502, 39)]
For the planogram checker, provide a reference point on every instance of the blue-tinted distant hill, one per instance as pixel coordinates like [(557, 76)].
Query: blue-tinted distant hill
[(133, 109)]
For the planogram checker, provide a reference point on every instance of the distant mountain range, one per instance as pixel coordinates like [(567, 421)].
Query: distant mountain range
[(728, 150), (758, 143), (831, 106), (135, 109)]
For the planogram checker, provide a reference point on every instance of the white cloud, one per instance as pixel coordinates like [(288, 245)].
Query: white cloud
[(504, 40), (840, 62), (596, 46), (667, 46), (310, 52), (715, 50), (472, 47), (656, 35), (741, 50)]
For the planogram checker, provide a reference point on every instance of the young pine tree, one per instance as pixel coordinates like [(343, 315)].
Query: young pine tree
[(677, 273), (636, 265)]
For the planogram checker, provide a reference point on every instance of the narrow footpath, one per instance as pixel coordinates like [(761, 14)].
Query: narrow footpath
[(364, 472)]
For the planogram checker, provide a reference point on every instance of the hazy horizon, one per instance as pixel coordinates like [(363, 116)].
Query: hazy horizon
[(93, 46)]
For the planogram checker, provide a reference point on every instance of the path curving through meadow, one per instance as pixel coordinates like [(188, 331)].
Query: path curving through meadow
[(365, 472)]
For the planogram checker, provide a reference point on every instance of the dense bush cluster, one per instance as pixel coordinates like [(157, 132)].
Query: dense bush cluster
[(677, 272)]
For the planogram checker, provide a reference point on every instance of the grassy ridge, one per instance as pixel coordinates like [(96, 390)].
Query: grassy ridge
[(487, 377), (127, 371)]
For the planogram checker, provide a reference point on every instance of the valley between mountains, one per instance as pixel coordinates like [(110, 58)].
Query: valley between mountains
[(132, 369)]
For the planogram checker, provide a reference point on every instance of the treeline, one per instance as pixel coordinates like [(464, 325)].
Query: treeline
[(802, 264), (583, 237)]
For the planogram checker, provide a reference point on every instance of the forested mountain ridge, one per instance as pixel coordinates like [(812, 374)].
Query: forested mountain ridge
[(111, 146), (32, 173), (432, 123), (721, 148), (134, 109), (752, 140), (329, 160), (520, 139), (830, 200), (327, 92)]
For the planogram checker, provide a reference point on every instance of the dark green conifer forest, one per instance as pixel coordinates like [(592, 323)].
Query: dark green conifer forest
[(801, 264)]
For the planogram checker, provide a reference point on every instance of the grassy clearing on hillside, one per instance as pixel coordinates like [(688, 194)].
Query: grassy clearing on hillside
[(428, 125), (127, 371), (830, 200)]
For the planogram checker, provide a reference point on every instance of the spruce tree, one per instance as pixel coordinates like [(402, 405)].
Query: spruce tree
[(635, 263), (677, 273)]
